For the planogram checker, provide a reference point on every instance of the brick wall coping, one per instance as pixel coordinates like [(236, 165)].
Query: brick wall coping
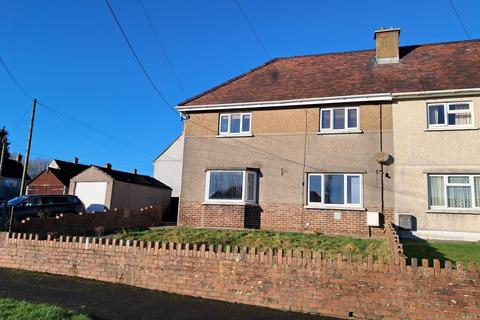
[(250, 255)]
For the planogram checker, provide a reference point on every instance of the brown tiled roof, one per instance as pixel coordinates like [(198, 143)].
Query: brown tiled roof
[(440, 66), (134, 178)]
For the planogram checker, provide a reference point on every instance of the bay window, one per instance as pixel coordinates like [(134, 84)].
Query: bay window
[(231, 186), (454, 191), (339, 119), (451, 114), (235, 124), (335, 190)]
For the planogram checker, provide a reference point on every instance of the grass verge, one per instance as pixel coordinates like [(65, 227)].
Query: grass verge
[(11, 309), (453, 251), (329, 245)]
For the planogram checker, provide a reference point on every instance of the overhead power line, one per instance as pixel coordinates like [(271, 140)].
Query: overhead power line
[(137, 59), (162, 47), (459, 18), (14, 80), (253, 29)]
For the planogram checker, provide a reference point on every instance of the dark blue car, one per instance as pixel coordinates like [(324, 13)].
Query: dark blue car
[(33, 206)]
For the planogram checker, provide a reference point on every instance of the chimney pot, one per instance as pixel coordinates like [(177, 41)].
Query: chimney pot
[(19, 157), (387, 48), (134, 171), (107, 165), (75, 160)]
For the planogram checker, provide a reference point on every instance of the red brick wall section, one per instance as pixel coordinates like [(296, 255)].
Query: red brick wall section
[(396, 248), (92, 223), (300, 280), (279, 217), (46, 183), (195, 214)]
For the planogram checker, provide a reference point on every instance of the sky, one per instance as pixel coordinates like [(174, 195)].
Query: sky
[(71, 56)]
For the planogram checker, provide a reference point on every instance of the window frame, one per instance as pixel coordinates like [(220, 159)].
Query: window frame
[(332, 120), (229, 122), (345, 204), (446, 112), (244, 199), (475, 206)]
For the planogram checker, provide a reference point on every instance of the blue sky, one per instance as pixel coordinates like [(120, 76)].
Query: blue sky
[(71, 56)]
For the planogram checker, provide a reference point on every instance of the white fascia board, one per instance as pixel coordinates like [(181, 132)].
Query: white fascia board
[(436, 93), (287, 103)]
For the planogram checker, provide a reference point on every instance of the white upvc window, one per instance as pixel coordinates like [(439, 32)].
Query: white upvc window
[(335, 190), (235, 124), (339, 119), (454, 192), (450, 115), (231, 186)]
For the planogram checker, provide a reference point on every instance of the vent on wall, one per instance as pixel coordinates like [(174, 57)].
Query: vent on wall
[(405, 221)]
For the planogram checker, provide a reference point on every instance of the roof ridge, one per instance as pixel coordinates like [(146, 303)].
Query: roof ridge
[(366, 50)]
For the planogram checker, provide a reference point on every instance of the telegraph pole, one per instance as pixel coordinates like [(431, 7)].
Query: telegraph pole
[(27, 156), (4, 151)]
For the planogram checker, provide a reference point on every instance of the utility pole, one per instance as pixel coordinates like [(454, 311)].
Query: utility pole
[(4, 151), (27, 156)]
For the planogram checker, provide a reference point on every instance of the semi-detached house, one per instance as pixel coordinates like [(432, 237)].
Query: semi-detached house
[(334, 142)]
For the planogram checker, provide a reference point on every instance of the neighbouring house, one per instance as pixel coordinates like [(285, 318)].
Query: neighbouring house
[(167, 167), (337, 143), (11, 178), (55, 179), (102, 188)]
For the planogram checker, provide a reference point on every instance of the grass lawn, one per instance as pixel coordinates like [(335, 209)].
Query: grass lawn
[(329, 245), (19, 310), (453, 251)]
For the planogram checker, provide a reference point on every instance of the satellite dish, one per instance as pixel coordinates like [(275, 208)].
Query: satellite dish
[(382, 157)]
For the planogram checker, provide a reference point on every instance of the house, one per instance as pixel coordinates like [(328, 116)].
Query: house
[(102, 188), (55, 179), (337, 143), (11, 178), (167, 167)]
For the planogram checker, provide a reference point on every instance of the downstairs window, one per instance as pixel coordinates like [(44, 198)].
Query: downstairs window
[(335, 190), (454, 191), (231, 186)]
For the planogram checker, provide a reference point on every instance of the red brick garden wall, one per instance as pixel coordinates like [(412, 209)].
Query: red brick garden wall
[(299, 280)]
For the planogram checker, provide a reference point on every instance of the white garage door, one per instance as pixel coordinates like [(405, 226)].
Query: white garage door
[(92, 195)]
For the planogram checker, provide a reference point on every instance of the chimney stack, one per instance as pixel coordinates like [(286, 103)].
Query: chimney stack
[(19, 158), (386, 44), (107, 165), (75, 160), (134, 171)]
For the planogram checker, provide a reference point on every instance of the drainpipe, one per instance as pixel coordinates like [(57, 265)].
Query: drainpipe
[(381, 164)]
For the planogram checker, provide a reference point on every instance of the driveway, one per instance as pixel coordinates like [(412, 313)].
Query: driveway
[(105, 301)]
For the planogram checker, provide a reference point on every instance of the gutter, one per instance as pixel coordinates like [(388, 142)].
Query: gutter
[(287, 103), (376, 97)]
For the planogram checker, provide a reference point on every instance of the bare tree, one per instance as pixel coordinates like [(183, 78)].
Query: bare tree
[(35, 166)]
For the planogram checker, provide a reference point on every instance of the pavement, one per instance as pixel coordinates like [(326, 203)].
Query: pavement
[(106, 301)]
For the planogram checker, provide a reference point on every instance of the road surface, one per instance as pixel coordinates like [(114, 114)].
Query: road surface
[(106, 301)]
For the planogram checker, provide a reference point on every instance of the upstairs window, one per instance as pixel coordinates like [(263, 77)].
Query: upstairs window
[(231, 186), (452, 114), (335, 190), (235, 124), (454, 191), (339, 119)]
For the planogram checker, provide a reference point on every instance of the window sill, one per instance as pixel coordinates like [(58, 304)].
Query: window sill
[(242, 203), (328, 132), (450, 211), (450, 129), (243, 135), (335, 208)]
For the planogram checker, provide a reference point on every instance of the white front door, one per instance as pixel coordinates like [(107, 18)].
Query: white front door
[(92, 194)]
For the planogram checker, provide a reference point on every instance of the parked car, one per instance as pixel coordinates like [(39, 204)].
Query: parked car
[(32, 206)]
